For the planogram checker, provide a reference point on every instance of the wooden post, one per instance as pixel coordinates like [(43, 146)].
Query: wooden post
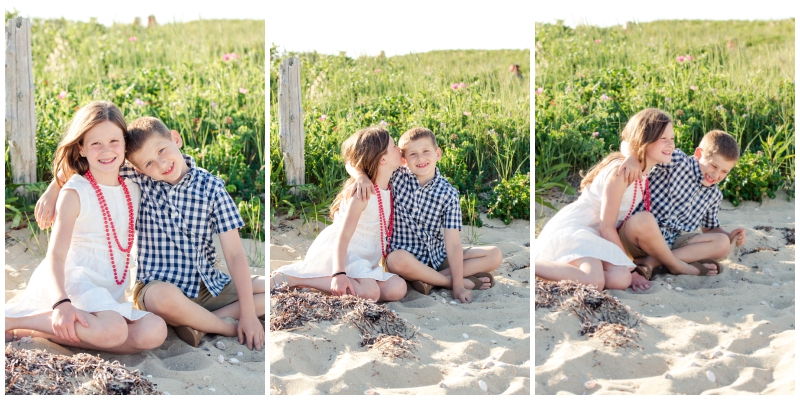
[(290, 116), (20, 113)]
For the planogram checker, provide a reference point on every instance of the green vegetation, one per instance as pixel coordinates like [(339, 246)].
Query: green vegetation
[(477, 108), (736, 76), (205, 79)]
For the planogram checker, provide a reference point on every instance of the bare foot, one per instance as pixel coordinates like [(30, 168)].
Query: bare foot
[(692, 270), (468, 284), (639, 282)]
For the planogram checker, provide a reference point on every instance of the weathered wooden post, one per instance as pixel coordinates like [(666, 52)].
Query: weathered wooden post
[(290, 117), (20, 113)]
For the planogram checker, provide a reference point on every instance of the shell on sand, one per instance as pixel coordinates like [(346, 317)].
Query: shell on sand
[(590, 384), (220, 345), (220, 359), (483, 385), (710, 376), (345, 387), (371, 391), (233, 361), (466, 336)]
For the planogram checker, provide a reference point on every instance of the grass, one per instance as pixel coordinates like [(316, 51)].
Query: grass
[(739, 78), (483, 126), (177, 72)]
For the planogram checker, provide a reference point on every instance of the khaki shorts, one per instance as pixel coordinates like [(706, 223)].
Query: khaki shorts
[(445, 265), (204, 297), (635, 252)]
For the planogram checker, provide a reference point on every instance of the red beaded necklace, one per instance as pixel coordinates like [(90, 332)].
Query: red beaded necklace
[(108, 221), (645, 197), (387, 228)]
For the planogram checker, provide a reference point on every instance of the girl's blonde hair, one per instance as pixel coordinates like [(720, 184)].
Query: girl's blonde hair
[(644, 128), (67, 160), (362, 150)]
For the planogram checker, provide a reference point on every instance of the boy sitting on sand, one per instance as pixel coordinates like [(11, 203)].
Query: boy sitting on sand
[(426, 246), (182, 206), (685, 195)]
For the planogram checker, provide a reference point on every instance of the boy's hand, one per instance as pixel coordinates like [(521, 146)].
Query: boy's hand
[(630, 169), (251, 332), (45, 211), (739, 236), (463, 294), (363, 187)]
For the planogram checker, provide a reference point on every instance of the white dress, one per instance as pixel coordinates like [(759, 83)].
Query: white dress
[(574, 232), (363, 251), (89, 278)]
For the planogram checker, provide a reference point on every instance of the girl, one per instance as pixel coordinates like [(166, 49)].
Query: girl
[(344, 257), (581, 242), (72, 296)]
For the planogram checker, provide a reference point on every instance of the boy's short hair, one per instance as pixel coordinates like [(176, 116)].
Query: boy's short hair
[(722, 143), (142, 129), (416, 134)]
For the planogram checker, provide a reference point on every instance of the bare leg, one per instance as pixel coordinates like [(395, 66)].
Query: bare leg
[(616, 277), (642, 230), (587, 271), (232, 310), (108, 331), (705, 246), (479, 259), (168, 302), (392, 289), (364, 288)]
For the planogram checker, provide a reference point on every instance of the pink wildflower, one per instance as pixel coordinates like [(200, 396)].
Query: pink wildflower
[(693, 87), (598, 41), (62, 95), (454, 86), (689, 58), (384, 122), (462, 85), (213, 105), (138, 102), (323, 117), (242, 90), (377, 70), (604, 97), (539, 90), (133, 39), (595, 135)]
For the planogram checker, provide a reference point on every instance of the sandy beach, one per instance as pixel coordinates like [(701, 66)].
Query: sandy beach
[(457, 346), (729, 334), (175, 367)]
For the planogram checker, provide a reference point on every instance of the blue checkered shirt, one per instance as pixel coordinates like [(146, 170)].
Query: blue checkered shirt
[(175, 226), (678, 199), (420, 214)]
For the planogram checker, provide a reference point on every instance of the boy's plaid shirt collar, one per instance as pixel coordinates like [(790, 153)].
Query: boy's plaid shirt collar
[(175, 228), (680, 201)]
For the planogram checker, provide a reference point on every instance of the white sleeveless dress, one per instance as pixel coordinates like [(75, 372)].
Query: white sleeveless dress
[(574, 232), (363, 251), (89, 278)]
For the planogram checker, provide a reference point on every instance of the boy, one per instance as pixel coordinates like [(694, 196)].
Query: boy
[(685, 195), (425, 204), (182, 207)]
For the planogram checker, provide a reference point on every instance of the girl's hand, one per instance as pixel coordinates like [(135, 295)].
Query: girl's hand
[(630, 169), (340, 286), (63, 319)]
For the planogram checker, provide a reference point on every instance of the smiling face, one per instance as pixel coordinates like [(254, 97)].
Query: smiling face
[(660, 151), (104, 148), (421, 156), (160, 158), (713, 167)]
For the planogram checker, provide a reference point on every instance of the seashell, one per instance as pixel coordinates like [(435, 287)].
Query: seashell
[(465, 374), (564, 378), (444, 301), (233, 361), (716, 354), (371, 391), (590, 384), (166, 393), (775, 284), (13, 274), (150, 376), (493, 341), (212, 389), (453, 302), (723, 330), (345, 387), (206, 379), (466, 336), (669, 287), (488, 364), (220, 359), (697, 354), (678, 289), (26, 339), (442, 385), (240, 354), (710, 376), (729, 354), (436, 319), (220, 345), (470, 364), (763, 302), (768, 271), (667, 376), (483, 385), (692, 364), (669, 279), (443, 294)]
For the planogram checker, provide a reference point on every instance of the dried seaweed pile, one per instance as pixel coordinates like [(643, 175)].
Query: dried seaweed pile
[(379, 327), (39, 372), (788, 233), (601, 315)]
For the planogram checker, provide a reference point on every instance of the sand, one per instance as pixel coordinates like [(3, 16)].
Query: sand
[(325, 358), (175, 367), (738, 326)]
